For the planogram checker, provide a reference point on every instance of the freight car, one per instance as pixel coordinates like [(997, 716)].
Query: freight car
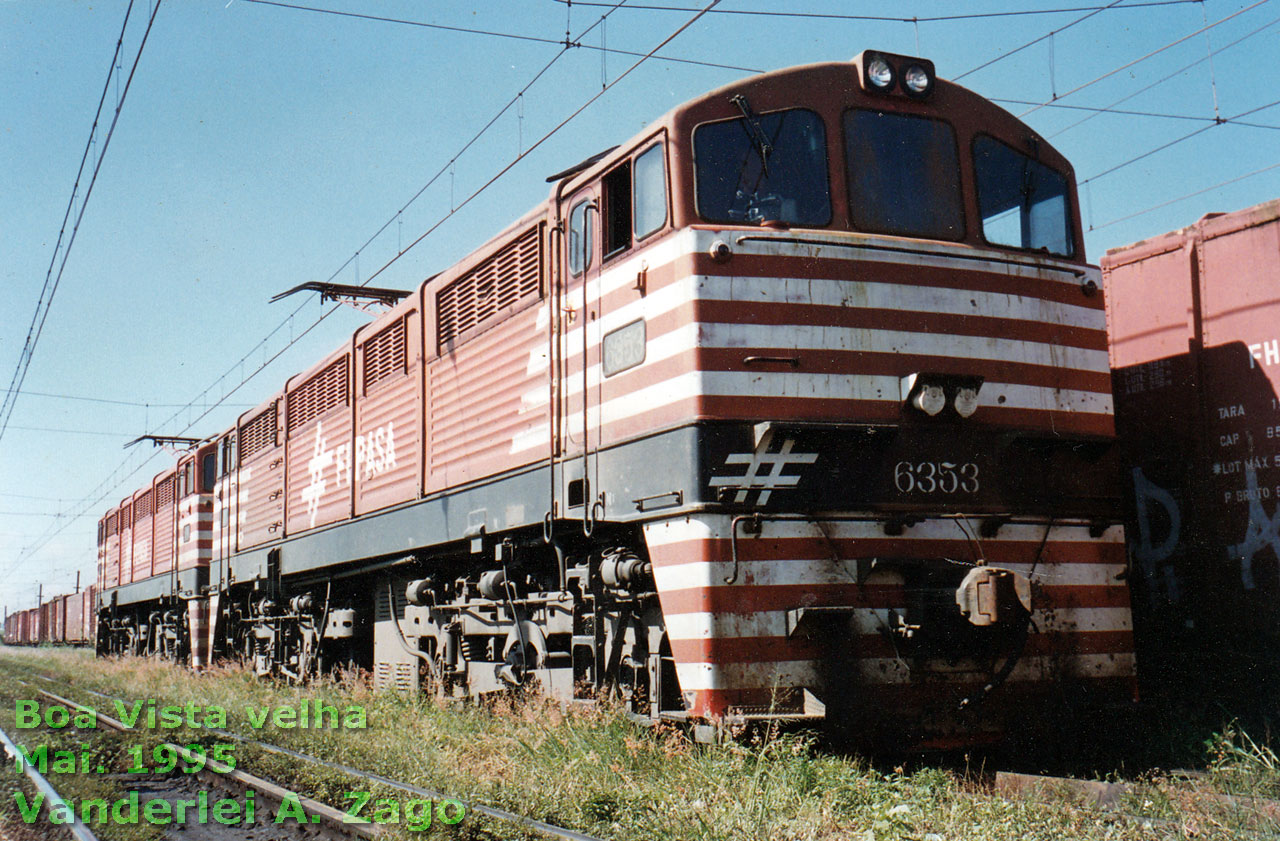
[(1195, 351), (63, 620), (795, 405)]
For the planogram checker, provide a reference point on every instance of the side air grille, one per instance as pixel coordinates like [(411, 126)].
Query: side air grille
[(386, 354), (258, 434), (510, 276), (319, 394), (164, 493), (142, 508)]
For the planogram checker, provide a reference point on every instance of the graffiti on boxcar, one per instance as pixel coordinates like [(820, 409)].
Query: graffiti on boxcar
[(374, 454), (1261, 532), (1147, 495)]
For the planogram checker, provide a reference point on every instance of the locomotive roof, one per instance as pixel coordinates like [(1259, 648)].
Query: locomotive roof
[(832, 85)]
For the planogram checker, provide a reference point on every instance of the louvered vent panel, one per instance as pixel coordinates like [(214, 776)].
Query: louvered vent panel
[(319, 394), (258, 434), (509, 276), (111, 525), (142, 508), (126, 517), (404, 676), (164, 493), (386, 354)]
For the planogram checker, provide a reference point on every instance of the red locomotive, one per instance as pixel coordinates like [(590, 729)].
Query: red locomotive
[(795, 405)]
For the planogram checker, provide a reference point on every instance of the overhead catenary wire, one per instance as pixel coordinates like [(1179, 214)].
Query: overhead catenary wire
[(1124, 113), (90, 503), (72, 431), (567, 43), (1200, 192), (1110, 108), (1224, 121), (1141, 59), (104, 489), (1008, 53), (45, 301), (111, 402), (890, 18)]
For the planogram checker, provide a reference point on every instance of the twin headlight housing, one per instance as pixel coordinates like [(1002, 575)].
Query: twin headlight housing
[(931, 393), (887, 73)]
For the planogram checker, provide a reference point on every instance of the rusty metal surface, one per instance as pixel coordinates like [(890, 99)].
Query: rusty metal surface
[(1195, 353)]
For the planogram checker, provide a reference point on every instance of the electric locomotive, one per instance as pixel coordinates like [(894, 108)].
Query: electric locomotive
[(794, 406)]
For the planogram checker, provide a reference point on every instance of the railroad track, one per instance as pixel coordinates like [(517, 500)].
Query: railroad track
[(335, 818), (76, 828), (1117, 799)]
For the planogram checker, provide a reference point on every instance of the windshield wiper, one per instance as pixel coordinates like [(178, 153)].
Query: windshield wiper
[(758, 138)]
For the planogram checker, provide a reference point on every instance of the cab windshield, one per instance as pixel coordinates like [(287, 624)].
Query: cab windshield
[(768, 167), (904, 175), (1023, 202)]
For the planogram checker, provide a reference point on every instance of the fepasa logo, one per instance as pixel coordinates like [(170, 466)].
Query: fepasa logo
[(374, 454)]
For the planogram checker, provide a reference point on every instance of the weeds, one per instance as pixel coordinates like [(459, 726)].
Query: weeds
[(588, 768)]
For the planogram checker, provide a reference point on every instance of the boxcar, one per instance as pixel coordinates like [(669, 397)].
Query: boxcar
[(1194, 318)]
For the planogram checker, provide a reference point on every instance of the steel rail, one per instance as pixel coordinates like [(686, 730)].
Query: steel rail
[(76, 827), (534, 824), (336, 817)]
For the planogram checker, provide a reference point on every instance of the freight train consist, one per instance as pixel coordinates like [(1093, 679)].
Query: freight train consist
[(62, 620), (1195, 344), (795, 405)]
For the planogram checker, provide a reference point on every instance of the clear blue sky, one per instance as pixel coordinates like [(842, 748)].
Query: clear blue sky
[(260, 147)]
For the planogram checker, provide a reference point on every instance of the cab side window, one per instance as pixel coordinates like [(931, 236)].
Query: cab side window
[(616, 189), (209, 471), (633, 200), (580, 238), (650, 191)]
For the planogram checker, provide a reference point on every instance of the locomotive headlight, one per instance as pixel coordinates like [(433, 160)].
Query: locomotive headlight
[(966, 402), (930, 399), (930, 392), (880, 74), (917, 81)]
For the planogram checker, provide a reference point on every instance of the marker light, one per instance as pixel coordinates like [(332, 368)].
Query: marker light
[(880, 74), (916, 80)]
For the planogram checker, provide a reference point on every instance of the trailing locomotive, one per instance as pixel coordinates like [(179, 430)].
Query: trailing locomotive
[(795, 405)]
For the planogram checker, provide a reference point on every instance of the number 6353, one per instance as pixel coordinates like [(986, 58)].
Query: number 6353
[(936, 477)]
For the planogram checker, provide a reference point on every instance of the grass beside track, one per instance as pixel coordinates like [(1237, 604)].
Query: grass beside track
[(590, 769)]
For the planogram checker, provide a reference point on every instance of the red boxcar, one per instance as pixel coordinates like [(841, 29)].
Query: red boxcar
[(1195, 353)]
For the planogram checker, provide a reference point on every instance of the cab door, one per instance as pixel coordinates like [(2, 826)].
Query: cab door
[(580, 286), (226, 491)]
